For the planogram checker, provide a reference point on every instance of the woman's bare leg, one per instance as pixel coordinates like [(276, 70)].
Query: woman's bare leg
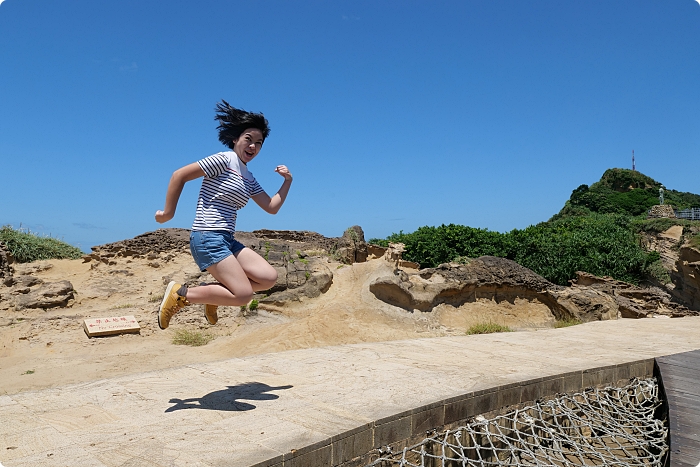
[(261, 275), (239, 277)]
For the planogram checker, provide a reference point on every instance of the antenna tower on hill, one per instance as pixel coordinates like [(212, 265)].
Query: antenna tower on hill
[(633, 167)]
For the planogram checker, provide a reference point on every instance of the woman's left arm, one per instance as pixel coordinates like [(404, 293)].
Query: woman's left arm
[(272, 205)]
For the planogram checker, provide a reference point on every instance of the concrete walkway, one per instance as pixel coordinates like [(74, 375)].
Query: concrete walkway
[(243, 411)]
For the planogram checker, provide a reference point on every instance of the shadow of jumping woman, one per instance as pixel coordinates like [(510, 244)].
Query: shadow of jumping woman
[(228, 399)]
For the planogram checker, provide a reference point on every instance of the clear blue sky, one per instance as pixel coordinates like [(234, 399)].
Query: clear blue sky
[(390, 114)]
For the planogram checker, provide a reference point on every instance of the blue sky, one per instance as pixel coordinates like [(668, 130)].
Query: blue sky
[(391, 115)]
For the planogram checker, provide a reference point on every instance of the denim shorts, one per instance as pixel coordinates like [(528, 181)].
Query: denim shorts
[(209, 247)]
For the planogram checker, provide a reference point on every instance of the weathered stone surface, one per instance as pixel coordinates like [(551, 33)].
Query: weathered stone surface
[(352, 247), (24, 281), (6, 260), (454, 284), (304, 280), (686, 278), (586, 304), (661, 210), (590, 298), (633, 301), (48, 295)]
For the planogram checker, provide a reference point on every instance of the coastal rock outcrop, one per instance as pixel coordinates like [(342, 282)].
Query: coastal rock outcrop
[(633, 301), (6, 261), (686, 277), (492, 278), (300, 257), (589, 298)]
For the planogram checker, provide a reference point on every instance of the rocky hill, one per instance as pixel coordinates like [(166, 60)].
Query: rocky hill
[(624, 191)]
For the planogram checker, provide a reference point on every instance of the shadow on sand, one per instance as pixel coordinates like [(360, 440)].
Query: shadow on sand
[(227, 399)]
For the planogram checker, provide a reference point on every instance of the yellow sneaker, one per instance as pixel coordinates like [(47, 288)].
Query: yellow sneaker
[(210, 313), (171, 304)]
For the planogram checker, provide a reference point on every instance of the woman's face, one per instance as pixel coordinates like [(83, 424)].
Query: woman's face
[(248, 145)]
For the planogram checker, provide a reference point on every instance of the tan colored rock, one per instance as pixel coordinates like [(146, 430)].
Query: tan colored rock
[(674, 233), (48, 295), (491, 278), (6, 260), (662, 210), (686, 277), (633, 301)]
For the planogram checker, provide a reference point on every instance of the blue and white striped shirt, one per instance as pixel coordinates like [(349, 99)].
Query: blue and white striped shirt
[(226, 188)]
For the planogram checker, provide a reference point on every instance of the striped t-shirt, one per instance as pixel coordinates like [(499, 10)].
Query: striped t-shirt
[(226, 188)]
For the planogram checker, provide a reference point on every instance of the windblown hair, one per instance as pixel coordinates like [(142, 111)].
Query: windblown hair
[(233, 122)]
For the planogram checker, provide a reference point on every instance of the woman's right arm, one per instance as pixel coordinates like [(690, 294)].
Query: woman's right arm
[(177, 183)]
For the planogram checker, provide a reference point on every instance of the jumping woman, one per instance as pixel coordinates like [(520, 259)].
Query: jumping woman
[(227, 186)]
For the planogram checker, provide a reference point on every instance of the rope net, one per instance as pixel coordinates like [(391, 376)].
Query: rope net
[(609, 426)]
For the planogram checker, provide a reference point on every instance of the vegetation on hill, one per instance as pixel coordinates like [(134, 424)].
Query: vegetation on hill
[(26, 246), (597, 231), (623, 191)]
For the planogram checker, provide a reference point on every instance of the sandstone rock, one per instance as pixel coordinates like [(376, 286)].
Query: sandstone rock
[(49, 295), (585, 304), (686, 278), (590, 298), (24, 281), (6, 260), (352, 247), (310, 281), (633, 301), (487, 277), (661, 210)]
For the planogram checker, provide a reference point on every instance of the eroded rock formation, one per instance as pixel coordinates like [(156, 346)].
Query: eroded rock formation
[(300, 257), (490, 278), (686, 277), (588, 299), (632, 301)]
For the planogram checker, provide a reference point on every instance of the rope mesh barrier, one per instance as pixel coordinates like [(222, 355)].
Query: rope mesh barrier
[(609, 426)]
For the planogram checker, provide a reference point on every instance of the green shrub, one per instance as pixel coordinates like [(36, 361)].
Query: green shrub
[(431, 246), (487, 328), (658, 225), (601, 244), (695, 241), (657, 271), (26, 246), (253, 305)]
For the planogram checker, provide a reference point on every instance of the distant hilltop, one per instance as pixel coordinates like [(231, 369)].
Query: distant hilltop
[(624, 191)]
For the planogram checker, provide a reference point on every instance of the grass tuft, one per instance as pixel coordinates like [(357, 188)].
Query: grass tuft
[(487, 328), (695, 242), (565, 323), (191, 338), (26, 246)]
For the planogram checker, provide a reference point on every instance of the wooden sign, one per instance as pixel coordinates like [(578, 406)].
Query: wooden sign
[(109, 326)]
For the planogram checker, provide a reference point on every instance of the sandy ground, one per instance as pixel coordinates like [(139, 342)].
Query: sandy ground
[(40, 349)]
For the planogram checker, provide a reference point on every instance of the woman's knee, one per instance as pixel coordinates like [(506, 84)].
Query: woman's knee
[(267, 278)]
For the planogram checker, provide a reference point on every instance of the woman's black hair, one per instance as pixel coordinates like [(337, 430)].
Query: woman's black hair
[(233, 122)]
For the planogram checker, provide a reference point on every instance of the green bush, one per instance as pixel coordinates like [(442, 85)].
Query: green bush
[(657, 225), (431, 246), (695, 241), (27, 247), (657, 271), (601, 244)]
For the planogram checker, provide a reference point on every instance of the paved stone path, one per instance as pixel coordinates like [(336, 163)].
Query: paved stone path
[(243, 411)]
